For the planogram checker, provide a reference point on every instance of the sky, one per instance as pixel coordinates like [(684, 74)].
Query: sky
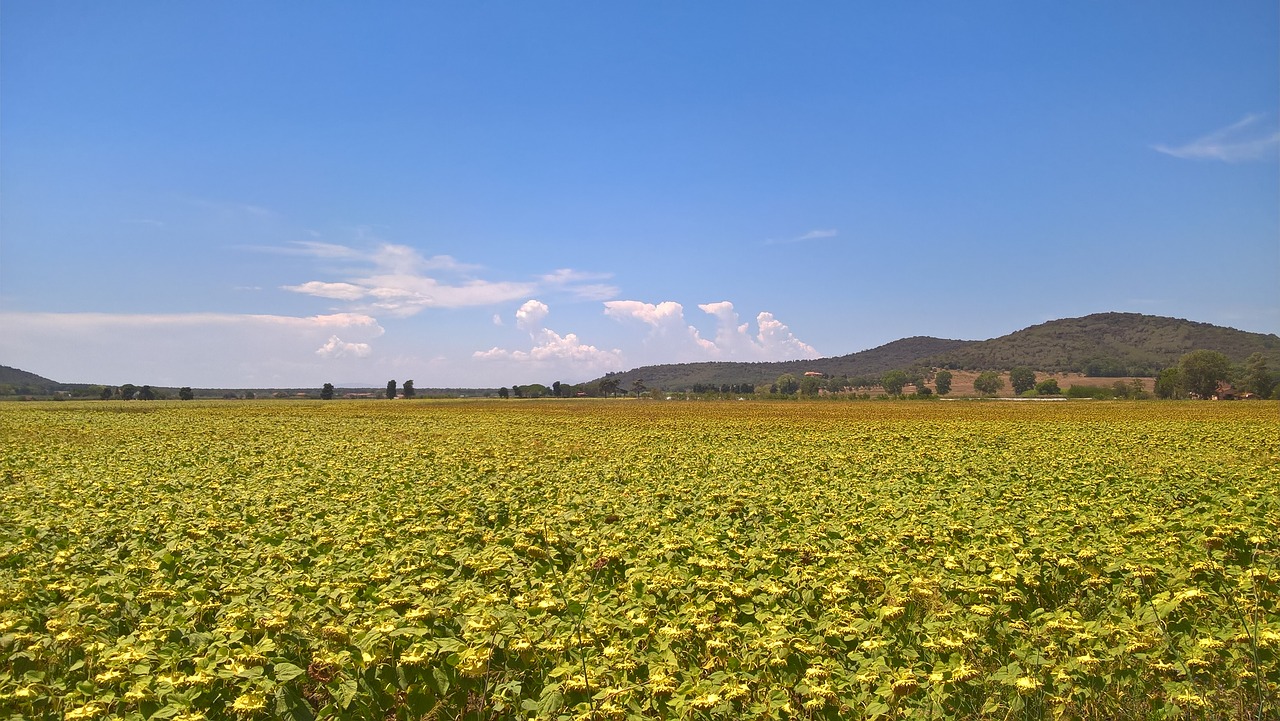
[(242, 194)]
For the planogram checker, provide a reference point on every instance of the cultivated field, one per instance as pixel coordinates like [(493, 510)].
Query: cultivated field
[(632, 559)]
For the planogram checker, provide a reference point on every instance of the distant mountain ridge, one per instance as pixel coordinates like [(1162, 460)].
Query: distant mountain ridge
[(1102, 344)]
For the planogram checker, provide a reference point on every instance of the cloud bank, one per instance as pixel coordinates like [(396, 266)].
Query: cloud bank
[(195, 349)]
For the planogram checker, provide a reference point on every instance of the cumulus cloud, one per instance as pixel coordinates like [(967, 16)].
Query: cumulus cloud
[(567, 352), (1250, 138), (666, 322), (530, 315), (672, 338), (335, 347)]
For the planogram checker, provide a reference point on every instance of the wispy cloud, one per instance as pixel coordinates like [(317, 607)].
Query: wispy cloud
[(1250, 138), (819, 234), (399, 281)]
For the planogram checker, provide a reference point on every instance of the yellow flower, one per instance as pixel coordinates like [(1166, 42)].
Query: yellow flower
[(249, 704)]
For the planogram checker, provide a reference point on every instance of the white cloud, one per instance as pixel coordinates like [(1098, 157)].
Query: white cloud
[(577, 283), (335, 347), (775, 338), (673, 339), (399, 281), (530, 315), (669, 331), (566, 354), (337, 291), (1246, 139)]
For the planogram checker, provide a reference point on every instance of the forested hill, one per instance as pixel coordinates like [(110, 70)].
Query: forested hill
[(1108, 344), (17, 378), (898, 354), (1103, 344)]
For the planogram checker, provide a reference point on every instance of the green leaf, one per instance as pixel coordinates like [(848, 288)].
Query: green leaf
[(287, 671), (291, 705)]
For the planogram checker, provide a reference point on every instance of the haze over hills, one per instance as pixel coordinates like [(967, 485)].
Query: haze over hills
[(1102, 344)]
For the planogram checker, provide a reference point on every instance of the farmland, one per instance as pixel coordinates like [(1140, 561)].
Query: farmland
[(635, 559)]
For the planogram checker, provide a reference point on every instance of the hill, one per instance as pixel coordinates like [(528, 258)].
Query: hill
[(29, 383), (1102, 344), (898, 354), (1108, 344)]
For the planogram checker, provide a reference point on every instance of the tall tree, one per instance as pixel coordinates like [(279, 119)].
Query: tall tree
[(555, 389), (942, 382), (1255, 377), (185, 393), (1203, 370), (326, 392), (893, 381), (787, 384), (1169, 383), (409, 391), (1048, 387), (503, 392), (1022, 379), (391, 390), (988, 383)]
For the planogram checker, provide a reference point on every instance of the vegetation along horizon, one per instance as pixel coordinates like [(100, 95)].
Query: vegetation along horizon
[(634, 559)]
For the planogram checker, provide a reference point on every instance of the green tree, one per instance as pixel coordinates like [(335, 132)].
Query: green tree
[(556, 388), (1169, 383), (1203, 370), (1255, 377), (326, 392), (107, 393), (1048, 387), (1022, 379), (988, 383), (638, 388), (185, 393), (146, 394), (893, 381), (391, 390), (409, 391), (503, 392), (809, 386), (787, 384), (942, 382)]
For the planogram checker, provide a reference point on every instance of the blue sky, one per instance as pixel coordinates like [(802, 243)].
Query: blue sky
[(243, 194)]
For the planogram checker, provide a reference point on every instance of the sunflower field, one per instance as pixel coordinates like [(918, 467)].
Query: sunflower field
[(639, 560)]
